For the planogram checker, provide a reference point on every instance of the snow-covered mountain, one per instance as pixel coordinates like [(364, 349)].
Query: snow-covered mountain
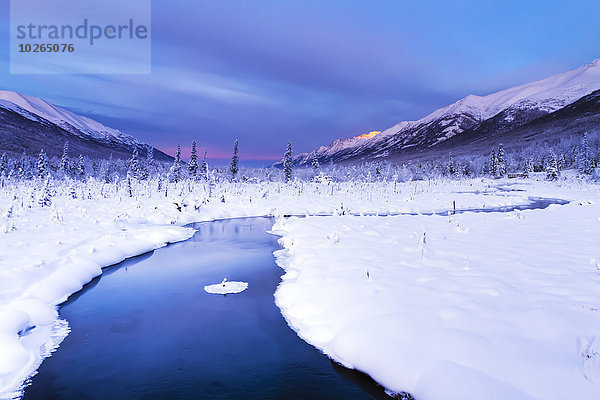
[(26, 119), (508, 108)]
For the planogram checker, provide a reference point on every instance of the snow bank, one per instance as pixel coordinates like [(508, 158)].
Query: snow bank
[(471, 306), (226, 287), (48, 253)]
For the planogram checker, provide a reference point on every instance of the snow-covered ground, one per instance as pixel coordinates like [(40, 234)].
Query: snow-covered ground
[(467, 306), (50, 252)]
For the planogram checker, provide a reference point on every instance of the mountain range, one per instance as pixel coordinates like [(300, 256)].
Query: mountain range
[(544, 110), (31, 124)]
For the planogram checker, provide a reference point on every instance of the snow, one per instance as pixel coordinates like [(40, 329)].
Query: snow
[(226, 287), (66, 119), (548, 95), (48, 253), (466, 306)]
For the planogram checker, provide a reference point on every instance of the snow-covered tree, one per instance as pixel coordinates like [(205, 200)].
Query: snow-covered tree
[(451, 167), (288, 162), (45, 199), (106, 173), (552, 171), (528, 167), (80, 167), (134, 165), (204, 166), (193, 164), (42, 165), (176, 167), (233, 167), (150, 156), (315, 163), (493, 163), (584, 159), (3, 165), (562, 162), (501, 169), (64, 161)]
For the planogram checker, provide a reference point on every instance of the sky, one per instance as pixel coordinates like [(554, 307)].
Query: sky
[(312, 71)]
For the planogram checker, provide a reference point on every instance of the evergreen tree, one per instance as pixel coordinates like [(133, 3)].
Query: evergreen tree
[(150, 156), (288, 162), (64, 161), (3, 164), (193, 164), (134, 165), (562, 162), (451, 167), (80, 167), (528, 167), (493, 163), (552, 171), (24, 166), (501, 166), (42, 165), (233, 167), (584, 162), (176, 167), (107, 172), (45, 198), (204, 166), (146, 170), (315, 163)]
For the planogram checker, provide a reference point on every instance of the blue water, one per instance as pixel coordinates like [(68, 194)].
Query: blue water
[(146, 329)]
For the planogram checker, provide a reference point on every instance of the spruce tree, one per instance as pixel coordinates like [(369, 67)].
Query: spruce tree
[(42, 165), (233, 167), (148, 168), (315, 163), (562, 162), (501, 169), (64, 161), (451, 167), (134, 165), (528, 167), (584, 162), (493, 163), (552, 171), (45, 198), (80, 167), (176, 167), (193, 164), (3, 164), (150, 156), (288, 162), (204, 167)]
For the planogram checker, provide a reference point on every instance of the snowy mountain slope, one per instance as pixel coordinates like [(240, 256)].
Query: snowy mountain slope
[(581, 116), (65, 119), (512, 107), (29, 124)]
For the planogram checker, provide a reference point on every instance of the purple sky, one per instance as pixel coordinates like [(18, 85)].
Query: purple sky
[(266, 72)]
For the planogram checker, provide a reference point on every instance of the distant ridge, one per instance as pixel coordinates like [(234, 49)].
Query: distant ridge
[(30, 124), (481, 116)]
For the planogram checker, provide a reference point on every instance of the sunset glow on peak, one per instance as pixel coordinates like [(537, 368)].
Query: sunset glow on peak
[(369, 135)]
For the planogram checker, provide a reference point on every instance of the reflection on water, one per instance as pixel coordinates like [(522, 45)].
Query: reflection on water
[(148, 330)]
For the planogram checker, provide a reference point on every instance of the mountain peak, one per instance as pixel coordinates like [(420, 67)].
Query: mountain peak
[(64, 118), (595, 63), (516, 104), (34, 118)]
